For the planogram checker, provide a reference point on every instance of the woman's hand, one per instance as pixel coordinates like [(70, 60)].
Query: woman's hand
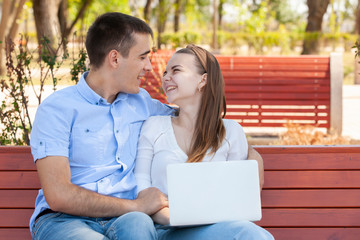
[(162, 216)]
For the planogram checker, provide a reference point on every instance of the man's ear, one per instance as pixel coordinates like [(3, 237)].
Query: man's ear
[(114, 58)]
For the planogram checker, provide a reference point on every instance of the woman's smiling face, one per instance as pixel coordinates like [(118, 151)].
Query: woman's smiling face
[(181, 78)]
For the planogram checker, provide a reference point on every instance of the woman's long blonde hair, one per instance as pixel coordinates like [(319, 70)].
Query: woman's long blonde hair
[(209, 129)]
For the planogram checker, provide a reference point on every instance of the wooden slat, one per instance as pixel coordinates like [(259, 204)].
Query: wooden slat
[(336, 149), (274, 67), (247, 110), (311, 161), (15, 234), (312, 179), (15, 217), (315, 233), (278, 96), (247, 80), (310, 218), (277, 102), (239, 89), (18, 198), (264, 124), (19, 180), (21, 160), (323, 198)]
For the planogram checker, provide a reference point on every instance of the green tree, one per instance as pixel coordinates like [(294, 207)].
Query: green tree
[(317, 9)]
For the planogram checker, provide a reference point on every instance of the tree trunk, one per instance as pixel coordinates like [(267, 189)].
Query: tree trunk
[(357, 21), (317, 9), (220, 12), (47, 22), (178, 10), (11, 10), (147, 11), (161, 21), (215, 25), (51, 21)]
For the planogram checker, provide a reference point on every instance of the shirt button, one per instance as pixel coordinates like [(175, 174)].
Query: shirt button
[(41, 143), (117, 131), (118, 158), (87, 130)]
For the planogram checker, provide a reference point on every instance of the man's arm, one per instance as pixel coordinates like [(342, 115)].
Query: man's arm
[(254, 155), (64, 196)]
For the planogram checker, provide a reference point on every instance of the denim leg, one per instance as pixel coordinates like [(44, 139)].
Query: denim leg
[(132, 226), (235, 230), (59, 226)]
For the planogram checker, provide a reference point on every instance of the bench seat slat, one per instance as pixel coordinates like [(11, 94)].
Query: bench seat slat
[(303, 150), (310, 217), (15, 234), (312, 179), (323, 198), (17, 198), (19, 180), (312, 161), (315, 233), (15, 217)]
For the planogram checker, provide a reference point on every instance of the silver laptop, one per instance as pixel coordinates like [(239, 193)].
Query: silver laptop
[(211, 192)]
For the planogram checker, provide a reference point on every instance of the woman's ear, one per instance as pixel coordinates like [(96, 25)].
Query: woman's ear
[(203, 80)]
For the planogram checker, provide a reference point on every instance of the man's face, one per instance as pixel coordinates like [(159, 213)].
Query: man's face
[(133, 68)]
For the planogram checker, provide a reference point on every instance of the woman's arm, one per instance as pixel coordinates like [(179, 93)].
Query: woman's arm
[(144, 157), (240, 149), (254, 155), (162, 216)]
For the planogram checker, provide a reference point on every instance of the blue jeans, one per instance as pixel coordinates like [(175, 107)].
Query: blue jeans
[(60, 226), (237, 230)]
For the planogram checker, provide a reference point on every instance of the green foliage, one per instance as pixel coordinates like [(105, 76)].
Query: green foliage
[(180, 39), (357, 49), (79, 66), (24, 68)]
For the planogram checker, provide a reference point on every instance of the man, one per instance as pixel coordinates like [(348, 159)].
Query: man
[(84, 142)]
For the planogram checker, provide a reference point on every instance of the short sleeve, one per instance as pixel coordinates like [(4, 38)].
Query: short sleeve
[(51, 130), (236, 138)]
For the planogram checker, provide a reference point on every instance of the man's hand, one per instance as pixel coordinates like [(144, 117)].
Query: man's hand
[(151, 200)]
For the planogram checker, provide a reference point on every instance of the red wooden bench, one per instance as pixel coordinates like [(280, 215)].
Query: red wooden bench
[(310, 192), (264, 91)]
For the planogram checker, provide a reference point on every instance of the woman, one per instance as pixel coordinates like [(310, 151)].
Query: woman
[(193, 81)]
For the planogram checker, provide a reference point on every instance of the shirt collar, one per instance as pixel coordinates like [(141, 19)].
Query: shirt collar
[(87, 93)]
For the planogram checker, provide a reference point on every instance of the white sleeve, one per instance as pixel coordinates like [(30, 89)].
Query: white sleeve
[(237, 140), (144, 157)]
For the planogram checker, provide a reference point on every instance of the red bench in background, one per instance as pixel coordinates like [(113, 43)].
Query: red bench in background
[(310, 193), (266, 91)]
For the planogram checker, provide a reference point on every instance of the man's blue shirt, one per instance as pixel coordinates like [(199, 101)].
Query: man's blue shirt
[(98, 138)]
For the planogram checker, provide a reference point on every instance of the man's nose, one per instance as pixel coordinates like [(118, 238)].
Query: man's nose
[(148, 66)]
